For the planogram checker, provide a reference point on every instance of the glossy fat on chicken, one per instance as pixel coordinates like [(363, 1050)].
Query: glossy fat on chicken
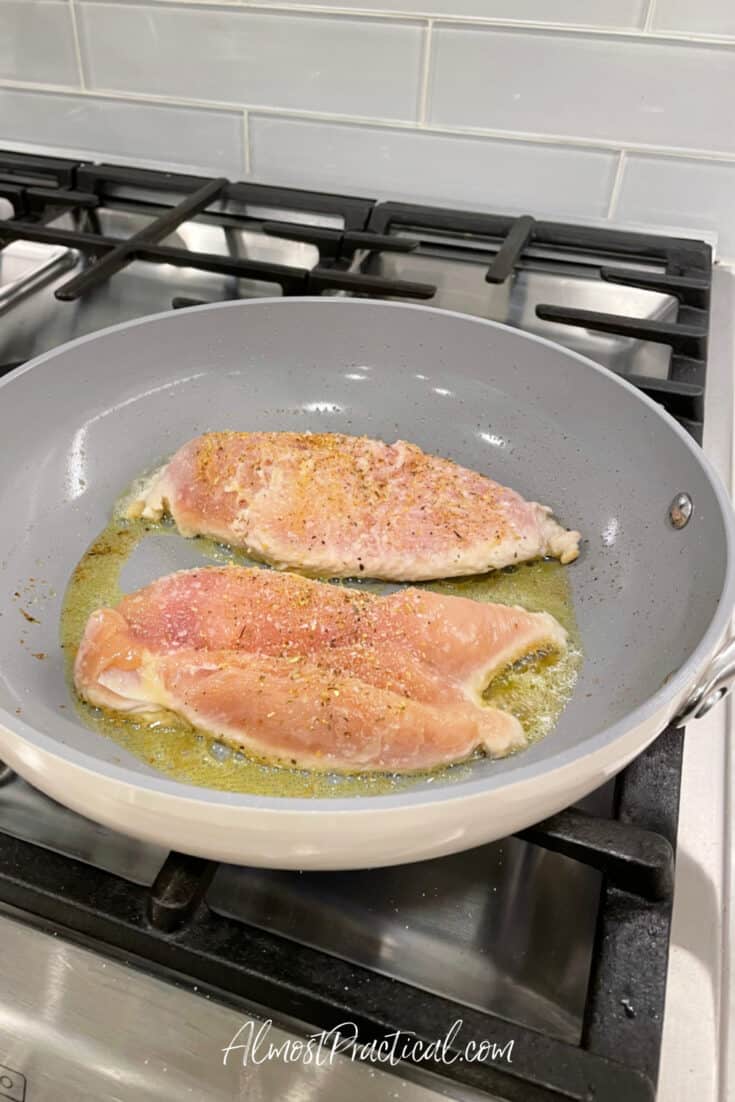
[(311, 674), (343, 506)]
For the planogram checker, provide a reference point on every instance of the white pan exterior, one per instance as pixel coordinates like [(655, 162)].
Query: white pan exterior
[(284, 839)]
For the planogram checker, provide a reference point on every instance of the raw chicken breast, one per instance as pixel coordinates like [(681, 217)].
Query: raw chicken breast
[(311, 674), (342, 506)]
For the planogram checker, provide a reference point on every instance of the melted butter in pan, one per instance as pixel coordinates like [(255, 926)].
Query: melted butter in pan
[(535, 690)]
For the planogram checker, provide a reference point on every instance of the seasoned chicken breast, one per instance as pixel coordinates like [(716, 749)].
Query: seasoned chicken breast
[(312, 674), (344, 506)]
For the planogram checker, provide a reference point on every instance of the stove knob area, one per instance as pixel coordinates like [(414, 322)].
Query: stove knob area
[(12, 1085)]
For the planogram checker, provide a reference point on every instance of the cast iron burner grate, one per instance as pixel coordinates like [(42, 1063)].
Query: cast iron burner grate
[(42, 189), (170, 929)]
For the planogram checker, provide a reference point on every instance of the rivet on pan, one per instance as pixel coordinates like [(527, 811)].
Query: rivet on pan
[(680, 510)]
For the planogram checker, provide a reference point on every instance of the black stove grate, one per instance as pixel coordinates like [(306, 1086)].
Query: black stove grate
[(34, 208), (685, 274), (169, 927), (39, 189)]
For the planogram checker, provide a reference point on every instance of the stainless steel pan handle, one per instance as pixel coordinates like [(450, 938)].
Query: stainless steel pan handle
[(716, 682)]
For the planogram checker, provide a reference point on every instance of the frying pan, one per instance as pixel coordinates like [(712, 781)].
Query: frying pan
[(652, 600)]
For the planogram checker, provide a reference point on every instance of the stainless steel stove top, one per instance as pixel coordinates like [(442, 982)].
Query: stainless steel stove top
[(457, 268), (507, 929), (144, 1040), (491, 928)]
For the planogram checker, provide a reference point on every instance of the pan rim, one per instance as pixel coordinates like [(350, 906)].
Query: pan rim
[(159, 785)]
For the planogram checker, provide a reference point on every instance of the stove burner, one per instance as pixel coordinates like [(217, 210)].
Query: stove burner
[(177, 928), (180, 915)]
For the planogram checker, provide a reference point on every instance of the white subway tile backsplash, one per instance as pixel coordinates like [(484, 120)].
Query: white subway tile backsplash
[(345, 65), (585, 13), (149, 133), (37, 42), (702, 17), (431, 168), (400, 93), (680, 191), (621, 90)]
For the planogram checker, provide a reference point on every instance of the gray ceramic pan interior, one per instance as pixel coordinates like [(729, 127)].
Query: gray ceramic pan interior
[(80, 423)]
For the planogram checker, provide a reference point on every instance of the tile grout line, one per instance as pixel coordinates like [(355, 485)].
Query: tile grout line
[(574, 143), (207, 168), (245, 143), (612, 207), (77, 44), (425, 73), (581, 29), (648, 21)]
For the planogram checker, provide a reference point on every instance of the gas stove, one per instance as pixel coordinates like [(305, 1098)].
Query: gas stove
[(556, 940)]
